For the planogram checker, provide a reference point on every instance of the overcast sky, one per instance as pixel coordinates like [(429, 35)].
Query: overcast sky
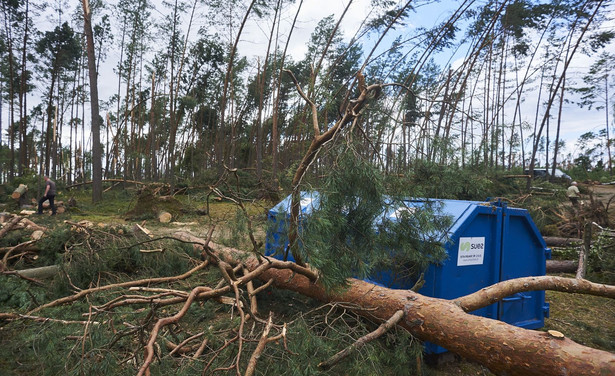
[(575, 121)]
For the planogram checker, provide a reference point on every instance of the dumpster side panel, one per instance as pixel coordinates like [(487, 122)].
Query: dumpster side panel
[(456, 277), (523, 255), (278, 219)]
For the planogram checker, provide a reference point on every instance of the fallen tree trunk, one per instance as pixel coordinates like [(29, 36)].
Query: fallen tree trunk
[(503, 348), (562, 266), (557, 241), (107, 181)]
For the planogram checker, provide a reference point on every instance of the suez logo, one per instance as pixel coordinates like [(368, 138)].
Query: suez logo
[(471, 251)]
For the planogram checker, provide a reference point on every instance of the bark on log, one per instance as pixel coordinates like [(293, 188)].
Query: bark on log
[(561, 266), (40, 273), (502, 348), (19, 191), (9, 225), (556, 241)]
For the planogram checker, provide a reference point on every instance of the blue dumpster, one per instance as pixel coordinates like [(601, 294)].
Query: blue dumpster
[(488, 243)]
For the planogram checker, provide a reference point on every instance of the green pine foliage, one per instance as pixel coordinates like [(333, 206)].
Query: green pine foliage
[(351, 234), (316, 335), (601, 260), (429, 179)]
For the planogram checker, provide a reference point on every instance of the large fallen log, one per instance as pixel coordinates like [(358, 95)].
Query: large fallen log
[(503, 348), (558, 241), (562, 266)]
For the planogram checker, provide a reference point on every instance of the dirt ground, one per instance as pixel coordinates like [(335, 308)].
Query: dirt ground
[(604, 193)]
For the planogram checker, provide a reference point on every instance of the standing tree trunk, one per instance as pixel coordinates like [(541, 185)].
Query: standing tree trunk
[(554, 90), (220, 140), (96, 147), (23, 133), (606, 114)]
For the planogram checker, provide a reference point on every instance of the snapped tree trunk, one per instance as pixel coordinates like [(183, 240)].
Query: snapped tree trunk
[(503, 348)]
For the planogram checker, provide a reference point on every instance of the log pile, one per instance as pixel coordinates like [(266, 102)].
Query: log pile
[(60, 207), (26, 249)]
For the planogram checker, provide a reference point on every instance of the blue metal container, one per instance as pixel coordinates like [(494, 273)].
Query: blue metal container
[(488, 243)]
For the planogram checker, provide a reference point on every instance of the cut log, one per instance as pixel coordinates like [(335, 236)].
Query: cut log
[(37, 234), (19, 191), (562, 266), (164, 217), (40, 273), (503, 348), (556, 241), (57, 204)]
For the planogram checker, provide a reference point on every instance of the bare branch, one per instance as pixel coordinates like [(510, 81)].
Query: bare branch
[(312, 105), (260, 347), (147, 281), (382, 329), (499, 291)]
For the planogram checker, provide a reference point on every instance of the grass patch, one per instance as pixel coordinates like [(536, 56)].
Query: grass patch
[(588, 320)]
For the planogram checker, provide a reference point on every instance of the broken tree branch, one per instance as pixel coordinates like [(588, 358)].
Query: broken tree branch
[(498, 291), (382, 329), (184, 342), (9, 225), (584, 252), (107, 181), (260, 347), (141, 282)]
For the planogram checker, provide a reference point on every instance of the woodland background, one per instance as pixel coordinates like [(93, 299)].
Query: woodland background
[(490, 84), (169, 107)]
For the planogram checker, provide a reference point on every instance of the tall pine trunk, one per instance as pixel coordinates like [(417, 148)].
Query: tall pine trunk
[(96, 147)]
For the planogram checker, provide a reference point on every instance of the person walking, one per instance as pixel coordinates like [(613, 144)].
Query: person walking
[(50, 194), (573, 194)]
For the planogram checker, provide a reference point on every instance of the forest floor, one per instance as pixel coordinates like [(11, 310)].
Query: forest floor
[(585, 319)]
